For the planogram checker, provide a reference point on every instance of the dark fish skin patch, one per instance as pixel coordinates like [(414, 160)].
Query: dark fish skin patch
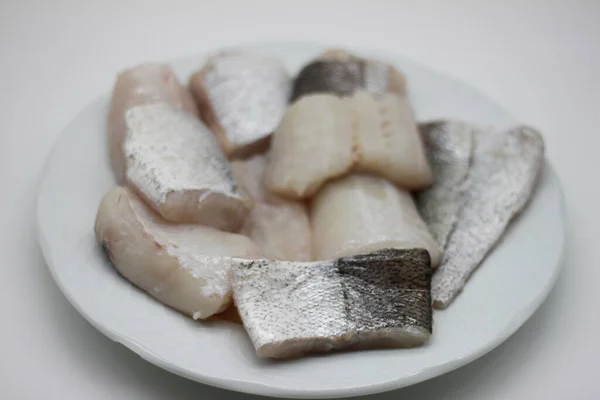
[(370, 300), (389, 288), (330, 76)]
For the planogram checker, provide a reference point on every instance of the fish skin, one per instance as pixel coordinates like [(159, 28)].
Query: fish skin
[(144, 84), (396, 80), (362, 213), (342, 73), (449, 146), (186, 267), (342, 78), (504, 174), (279, 226), (175, 163), (373, 300), (242, 97)]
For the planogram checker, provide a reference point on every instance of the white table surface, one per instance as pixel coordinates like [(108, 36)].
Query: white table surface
[(538, 59)]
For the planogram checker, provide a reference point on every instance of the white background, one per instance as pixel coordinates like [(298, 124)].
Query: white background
[(538, 59)]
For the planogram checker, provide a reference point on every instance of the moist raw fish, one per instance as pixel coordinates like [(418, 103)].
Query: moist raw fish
[(387, 141), (279, 226), (503, 176), (144, 84), (449, 146), (342, 73), (373, 300), (242, 97), (186, 267), (313, 143), (322, 137), (175, 163), (362, 213)]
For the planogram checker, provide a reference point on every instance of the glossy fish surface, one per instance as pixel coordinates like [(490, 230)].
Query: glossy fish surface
[(362, 213), (449, 146), (242, 97), (144, 84), (176, 164), (322, 137), (279, 226), (387, 141), (313, 143), (341, 73), (380, 299), (503, 176), (186, 267)]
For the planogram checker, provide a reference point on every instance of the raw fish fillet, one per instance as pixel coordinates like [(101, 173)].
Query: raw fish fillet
[(342, 73), (505, 170), (363, 213), (279, 226), (144, 84), (176, 164), (387, 141), (366, 301), (449, 147), (242, 97), (186, 267), (323, 136), (313, 143)]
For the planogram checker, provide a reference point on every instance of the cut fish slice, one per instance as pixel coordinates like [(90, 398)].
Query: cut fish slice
[(342, 73), (279, 226), (449, 147), (186, 267), (242, 97), (363, 213), (144, 84), (504, 174), (374, 300), (176, 164), (312, 144), (387, 140), (322, 137)]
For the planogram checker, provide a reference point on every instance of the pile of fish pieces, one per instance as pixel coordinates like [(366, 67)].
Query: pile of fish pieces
[(311, 201), (350, 146), (180, 214)]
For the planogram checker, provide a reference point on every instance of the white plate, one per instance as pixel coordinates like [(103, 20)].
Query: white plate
[(501, 295)]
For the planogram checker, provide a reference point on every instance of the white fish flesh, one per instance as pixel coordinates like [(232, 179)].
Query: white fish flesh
[(186, 267), (362, 213), (342, 73), (242, 97), (177, 166), (504, 173), (380, 299), (144, 84), (449, 147), (279, 226), (323, 136), (387, 141), (313, 143)]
